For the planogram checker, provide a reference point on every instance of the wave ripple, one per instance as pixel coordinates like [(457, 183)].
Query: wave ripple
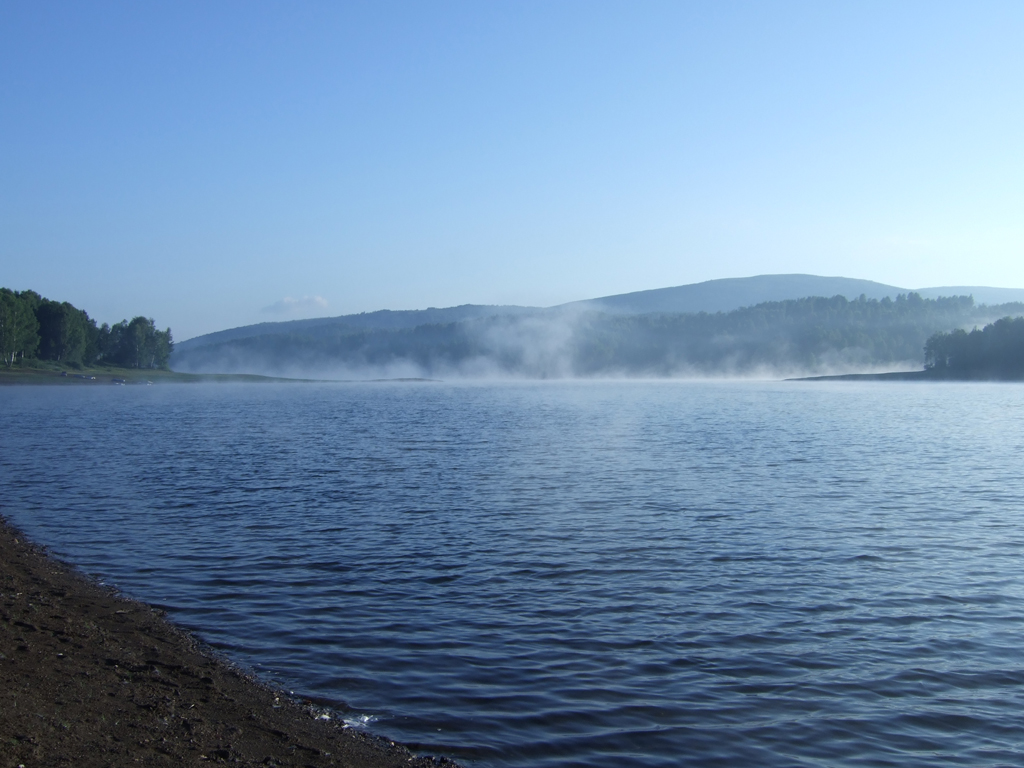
[(584, 574)]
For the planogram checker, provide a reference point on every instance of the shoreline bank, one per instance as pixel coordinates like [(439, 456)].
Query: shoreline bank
[(88, 677), (924, 375), (134, 377), (97, 376)]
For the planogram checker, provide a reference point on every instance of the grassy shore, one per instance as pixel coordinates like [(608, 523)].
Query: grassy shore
[(134, 376), (107, 376), (88, 678)]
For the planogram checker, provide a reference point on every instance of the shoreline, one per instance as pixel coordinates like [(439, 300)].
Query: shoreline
[(89, 677), (134, 377), (130, 377), (924, 375)]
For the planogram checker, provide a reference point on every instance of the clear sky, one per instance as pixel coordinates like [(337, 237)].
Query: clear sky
[(214, 164)]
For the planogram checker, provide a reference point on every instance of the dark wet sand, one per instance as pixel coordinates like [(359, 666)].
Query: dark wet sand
[(88, 678)]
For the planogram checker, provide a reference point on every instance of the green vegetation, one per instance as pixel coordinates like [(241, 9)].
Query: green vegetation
[(811, 335), (994, 352), (39, 338), (34, 329), (40, 374)]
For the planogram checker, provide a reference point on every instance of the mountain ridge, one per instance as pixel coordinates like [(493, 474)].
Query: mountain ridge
[(719, 295), (729, 293), (813, 335)]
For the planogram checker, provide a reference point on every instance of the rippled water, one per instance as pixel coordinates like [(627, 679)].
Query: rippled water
[(572, 574)]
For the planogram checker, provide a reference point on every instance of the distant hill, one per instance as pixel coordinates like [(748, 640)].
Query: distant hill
[(812, 335), (722, 295), (384, 319), (732, 293), (655, 332)]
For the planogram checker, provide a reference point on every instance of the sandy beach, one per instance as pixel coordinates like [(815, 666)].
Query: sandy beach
[(89, 678)]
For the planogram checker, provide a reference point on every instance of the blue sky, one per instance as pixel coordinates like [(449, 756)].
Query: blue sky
[(218, 164)]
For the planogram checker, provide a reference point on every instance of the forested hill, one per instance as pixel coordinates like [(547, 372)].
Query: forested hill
[(722, 295), (810, 335), (386, 319), (727, 294), (35, 329)]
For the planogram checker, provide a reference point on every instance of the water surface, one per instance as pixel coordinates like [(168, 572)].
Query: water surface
[(571, 574)]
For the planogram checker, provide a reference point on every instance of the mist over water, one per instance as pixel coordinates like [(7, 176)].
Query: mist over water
[(571, 573), (772, 340), (562, 344)]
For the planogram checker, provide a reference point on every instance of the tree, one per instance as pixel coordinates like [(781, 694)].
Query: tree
[(64, 331), (19, 330), (994, 352), (135, 344), (164, 345), (32, 325)]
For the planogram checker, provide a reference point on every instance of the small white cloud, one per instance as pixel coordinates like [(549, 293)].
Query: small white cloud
[(292, 306)]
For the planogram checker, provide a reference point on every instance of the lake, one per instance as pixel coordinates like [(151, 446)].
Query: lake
[(570, 573)]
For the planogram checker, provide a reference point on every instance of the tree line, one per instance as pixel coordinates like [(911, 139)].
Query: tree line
[(993, 352), (35, 328), (810, 335)]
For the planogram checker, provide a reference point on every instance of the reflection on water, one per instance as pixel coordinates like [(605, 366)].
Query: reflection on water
[(585, 574)]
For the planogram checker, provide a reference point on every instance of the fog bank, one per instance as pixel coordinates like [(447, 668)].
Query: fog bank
[(803, 337)]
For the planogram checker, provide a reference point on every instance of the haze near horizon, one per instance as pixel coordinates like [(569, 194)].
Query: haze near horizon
[(216, 166)]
